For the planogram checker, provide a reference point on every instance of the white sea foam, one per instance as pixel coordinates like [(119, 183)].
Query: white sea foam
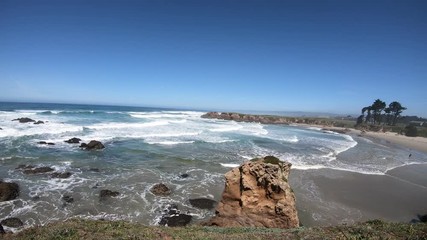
[(230, 165), (170, 142)]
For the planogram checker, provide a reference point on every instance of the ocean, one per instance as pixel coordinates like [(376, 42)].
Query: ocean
[(145, 146)]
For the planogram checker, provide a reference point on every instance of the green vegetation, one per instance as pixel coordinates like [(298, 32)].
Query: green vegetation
[(411, 131), (272, 160), (97, 229), (374, 113)]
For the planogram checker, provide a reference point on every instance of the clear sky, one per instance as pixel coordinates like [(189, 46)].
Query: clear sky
[(323, 56)]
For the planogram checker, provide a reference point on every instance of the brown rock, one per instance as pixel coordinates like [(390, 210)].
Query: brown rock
[(8, 191), (257, 194), (160, 189)]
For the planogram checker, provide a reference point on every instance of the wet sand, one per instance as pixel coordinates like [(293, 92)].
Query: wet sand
[(330, 197)]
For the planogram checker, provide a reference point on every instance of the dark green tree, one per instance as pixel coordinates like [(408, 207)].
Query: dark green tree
[(396, 109), (368, 115), (377, 107)]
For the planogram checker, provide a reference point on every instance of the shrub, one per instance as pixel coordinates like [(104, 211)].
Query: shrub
[(411, 131)]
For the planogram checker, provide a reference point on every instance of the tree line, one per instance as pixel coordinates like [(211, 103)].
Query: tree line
[(378, 113)]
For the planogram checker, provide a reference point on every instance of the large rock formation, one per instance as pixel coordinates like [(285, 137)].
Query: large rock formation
[(92, 145), (8, 191), (257, 194)]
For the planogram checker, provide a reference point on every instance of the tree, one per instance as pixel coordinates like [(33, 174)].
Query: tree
[(368, 115), (396, 109), (377, 107)]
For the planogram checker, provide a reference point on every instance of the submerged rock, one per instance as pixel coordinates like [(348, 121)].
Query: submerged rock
[(73, 140), (61, 175), (185, 175), (68, 198), (8, 191), (92, 145), (257, 194), (160, 189), (39, 122), (203, 203), (46, 143), (105, 194), (24, 120), (12, 222), (174, 218), (37, 170)]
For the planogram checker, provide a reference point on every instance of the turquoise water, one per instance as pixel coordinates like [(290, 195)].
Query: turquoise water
[(145, 146)]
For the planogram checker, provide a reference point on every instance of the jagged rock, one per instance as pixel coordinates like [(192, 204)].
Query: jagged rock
[(257, 194), (2, 230), (61, 175), (24, 120), (8, 191), (174, 218), (12, 222), (160, 189), (73, 140), (23, 166), (37, 170), (68, 198), (92, 145), (39, 122), (203, 203), (105, 193)]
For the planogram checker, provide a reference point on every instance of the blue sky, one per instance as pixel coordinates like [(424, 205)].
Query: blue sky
[(323, 56)]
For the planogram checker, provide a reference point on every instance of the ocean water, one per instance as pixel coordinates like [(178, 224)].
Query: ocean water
[(145, 146)]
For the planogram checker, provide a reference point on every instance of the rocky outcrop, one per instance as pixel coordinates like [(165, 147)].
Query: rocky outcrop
[(24, 120), (8, 191), (172, 217), (73, 140), (160, 189), (203, 203), (269, 119), (39, 122), (12, 222), (36, 170), (257, 194), (92, 145)]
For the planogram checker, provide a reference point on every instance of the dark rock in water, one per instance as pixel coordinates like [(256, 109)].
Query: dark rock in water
[(160, 189), (2, 230), (93, 145), (68, 198), (8, 191), (12, 222), (61, 175), (38, 170), (46, 143), (185, 175), (173, 217), (83, 145), (24, 120), (203, 203), (35, 198), (104, 194), (39, 122), (1, 128), (73, 140)]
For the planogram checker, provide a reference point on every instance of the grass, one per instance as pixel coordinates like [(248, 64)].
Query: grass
[(97, 229)]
